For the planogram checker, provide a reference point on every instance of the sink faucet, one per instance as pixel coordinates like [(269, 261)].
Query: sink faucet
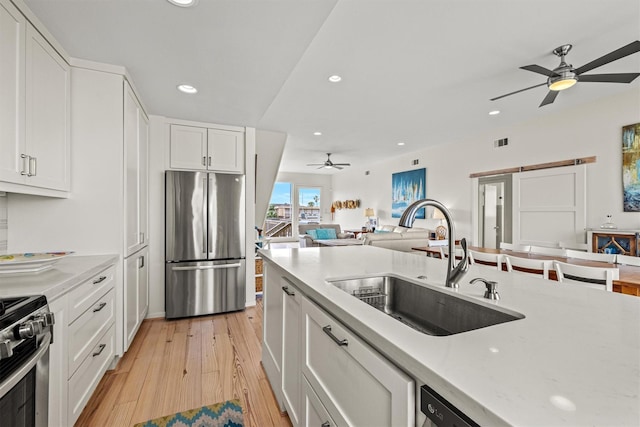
[(454, 272)]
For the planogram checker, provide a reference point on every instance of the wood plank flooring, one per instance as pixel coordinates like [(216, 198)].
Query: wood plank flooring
[(177, 365)]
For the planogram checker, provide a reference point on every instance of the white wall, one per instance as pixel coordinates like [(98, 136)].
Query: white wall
[(593, 129), (3, 223), (269, 148)]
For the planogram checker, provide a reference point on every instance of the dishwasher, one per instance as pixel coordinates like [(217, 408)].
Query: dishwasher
[(441, 413)]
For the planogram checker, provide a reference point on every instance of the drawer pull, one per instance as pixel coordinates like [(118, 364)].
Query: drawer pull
[(100, 280), (327, 330), (100, 350), (100, 307), (290, 293), (325, 424)]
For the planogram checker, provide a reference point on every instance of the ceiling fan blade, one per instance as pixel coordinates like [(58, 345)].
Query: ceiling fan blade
[(342, 164), (632, 47), (315, 164), (551, 96), (540, 70), (322, 167), (610, 78), (518, 91), (337, 167)]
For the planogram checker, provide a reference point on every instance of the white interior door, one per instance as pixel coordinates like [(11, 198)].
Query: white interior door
[(550, 206)]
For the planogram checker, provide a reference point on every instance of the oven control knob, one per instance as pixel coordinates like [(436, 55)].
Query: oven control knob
[(46, 319), (27, 330), (5, 349)]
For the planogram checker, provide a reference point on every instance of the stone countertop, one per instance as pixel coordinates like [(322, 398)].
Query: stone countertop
[(62, 277), (574, 360)]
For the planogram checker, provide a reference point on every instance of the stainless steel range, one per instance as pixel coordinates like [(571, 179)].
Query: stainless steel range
[(26, 327)]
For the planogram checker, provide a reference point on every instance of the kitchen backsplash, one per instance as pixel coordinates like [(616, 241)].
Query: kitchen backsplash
[(4, 223)]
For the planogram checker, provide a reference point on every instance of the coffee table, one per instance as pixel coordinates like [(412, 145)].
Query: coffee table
[(339, 242)]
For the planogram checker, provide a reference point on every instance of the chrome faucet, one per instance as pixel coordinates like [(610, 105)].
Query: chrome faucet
[(454, 272)]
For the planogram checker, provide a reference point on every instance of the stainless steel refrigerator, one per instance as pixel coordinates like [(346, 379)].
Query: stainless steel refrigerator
[(205, 243)]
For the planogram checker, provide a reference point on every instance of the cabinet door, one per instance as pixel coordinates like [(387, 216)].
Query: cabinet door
[(143, 285), (188, 147), (225, 150), (12, 86), (314, 413), (291, 346), (143, 138), (47, 115), (272, 331), (355, 383), (132, 158), (131, 285)]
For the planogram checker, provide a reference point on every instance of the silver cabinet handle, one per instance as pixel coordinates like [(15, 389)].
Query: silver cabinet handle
[(204, 160), (100, 280), (327, 330), (141, 237), (100, 307), (25, 164), (141, 262), (34, 161), (325, 424), (206, 267), (100, 350), (287, 291), (209, 160)]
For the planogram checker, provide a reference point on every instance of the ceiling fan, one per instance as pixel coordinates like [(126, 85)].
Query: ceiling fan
[(328, 164), (564, 75)]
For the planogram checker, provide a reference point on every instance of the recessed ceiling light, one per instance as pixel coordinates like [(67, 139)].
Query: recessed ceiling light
[(317, 133), (183, 3), (400, 143), (187, 89), (335, 78), (494, 112)]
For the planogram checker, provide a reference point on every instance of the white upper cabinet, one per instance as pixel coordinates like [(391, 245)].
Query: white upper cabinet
[(48, 115), (136, 145), (34, 109), (12, 58), (211, 149)]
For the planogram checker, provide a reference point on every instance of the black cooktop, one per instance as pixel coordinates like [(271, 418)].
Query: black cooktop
[(14, 309)]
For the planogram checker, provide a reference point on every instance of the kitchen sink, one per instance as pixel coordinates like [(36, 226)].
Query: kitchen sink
[(427, 310)]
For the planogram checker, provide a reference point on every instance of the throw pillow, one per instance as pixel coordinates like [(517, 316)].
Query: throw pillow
[(326, 233), (381, 231), (313, 234)]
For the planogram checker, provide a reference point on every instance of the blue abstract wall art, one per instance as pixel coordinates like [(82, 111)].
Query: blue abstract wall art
[(406, 188)]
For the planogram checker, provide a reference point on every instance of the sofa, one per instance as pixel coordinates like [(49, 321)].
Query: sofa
[(397, 238), (307, 241)]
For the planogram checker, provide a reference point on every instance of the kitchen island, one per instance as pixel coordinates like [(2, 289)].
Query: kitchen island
[(573, 360)]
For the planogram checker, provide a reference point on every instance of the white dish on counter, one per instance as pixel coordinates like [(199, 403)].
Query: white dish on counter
[(29, 262)]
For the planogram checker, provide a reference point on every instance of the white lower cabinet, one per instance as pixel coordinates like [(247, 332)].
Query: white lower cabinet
[(136, 293), (328, 376), (291, 345), (83, 345)]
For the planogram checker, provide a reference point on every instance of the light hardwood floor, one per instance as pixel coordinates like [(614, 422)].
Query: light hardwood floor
[(177, 365)]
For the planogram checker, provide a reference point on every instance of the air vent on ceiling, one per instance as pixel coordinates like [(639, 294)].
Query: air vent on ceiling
[(367, 172), (415, 162), (501, 142)]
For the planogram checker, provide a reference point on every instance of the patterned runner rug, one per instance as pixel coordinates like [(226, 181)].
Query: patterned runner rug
[(223, 414)]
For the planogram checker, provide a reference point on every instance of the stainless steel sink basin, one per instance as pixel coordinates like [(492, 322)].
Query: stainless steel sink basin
[(424, 309)]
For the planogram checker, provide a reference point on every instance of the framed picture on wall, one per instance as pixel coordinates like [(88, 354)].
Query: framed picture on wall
[(631, 167), (406, 188)]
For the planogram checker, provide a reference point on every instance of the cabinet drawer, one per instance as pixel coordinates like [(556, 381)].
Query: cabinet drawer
[(314, 413), (87, 330), (85, 295), (258, 265), (355, 383), (83, 383), (259, 284)]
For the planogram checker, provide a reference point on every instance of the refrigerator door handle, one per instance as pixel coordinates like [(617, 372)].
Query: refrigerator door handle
[(207, 267), (205, 225)]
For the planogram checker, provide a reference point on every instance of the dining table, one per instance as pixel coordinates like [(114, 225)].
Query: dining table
[(628, 283)]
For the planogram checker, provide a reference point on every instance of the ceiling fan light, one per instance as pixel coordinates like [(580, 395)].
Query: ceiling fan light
[(562, 84), (328, 167)]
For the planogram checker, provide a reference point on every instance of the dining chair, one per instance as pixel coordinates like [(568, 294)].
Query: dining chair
[(545, 250), (444, 253), (513, 247), (628, 260), (575, 246), (483, 258), (537, 267), (593, 277), (591, 256)]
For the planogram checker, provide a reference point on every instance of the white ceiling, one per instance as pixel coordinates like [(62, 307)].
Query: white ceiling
[(415, 71)]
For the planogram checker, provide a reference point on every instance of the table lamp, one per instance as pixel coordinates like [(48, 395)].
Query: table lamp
[(368, 213), (441, 231)]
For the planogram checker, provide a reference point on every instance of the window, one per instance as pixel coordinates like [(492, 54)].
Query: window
[(285, 211), (308, 205)]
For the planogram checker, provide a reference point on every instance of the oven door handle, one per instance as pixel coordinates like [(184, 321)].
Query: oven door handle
[(23, 370)]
